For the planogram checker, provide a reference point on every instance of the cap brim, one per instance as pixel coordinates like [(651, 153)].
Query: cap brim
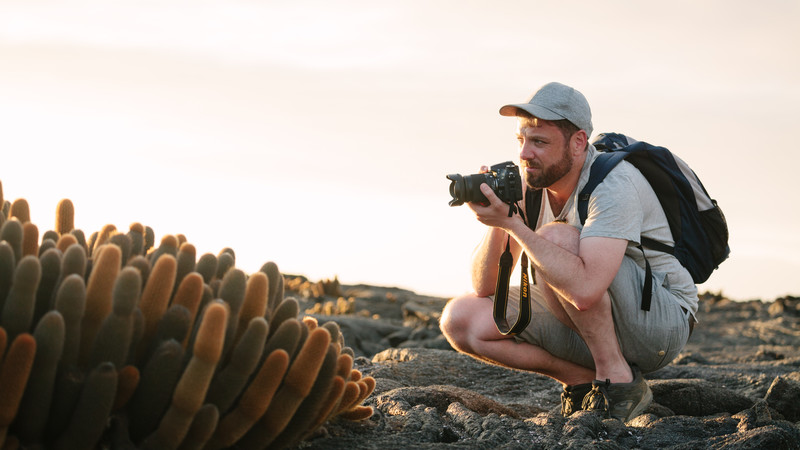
[(534, 110)]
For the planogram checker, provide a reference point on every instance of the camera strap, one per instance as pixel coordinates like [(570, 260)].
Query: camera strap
[(501, 289)]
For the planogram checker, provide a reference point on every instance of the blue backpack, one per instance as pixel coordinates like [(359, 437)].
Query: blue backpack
[(698, 225)]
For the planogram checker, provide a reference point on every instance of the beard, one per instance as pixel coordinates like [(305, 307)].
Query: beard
[(550, 174)]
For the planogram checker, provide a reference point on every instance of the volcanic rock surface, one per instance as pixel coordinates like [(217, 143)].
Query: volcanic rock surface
[(735, 385)]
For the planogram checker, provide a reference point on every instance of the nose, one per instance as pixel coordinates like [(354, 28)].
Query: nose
[(526, 151)]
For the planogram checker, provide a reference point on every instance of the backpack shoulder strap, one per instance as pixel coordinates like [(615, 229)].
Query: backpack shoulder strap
[(601, 166)]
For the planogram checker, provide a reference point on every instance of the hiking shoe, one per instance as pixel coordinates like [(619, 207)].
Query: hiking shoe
[(622, 401), (572, 398)]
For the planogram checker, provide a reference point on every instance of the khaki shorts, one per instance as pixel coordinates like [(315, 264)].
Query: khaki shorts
[(649, 339)]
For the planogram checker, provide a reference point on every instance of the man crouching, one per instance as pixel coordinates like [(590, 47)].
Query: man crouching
[(587, 329)]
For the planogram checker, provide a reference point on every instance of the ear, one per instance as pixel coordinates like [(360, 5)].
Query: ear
[(578, 141)]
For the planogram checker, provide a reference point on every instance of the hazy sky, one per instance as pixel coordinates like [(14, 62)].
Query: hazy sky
[(317, 134)]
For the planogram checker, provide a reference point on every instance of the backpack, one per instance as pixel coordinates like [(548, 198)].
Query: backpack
[(698, 225)]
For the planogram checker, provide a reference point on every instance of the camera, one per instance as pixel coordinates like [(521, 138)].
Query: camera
[(503, 178)]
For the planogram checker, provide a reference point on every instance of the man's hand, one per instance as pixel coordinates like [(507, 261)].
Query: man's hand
[(496, 213)]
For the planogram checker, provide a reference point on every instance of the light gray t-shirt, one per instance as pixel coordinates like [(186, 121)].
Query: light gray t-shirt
[(624, 206)]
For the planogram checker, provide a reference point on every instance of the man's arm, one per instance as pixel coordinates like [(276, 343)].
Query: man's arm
[(580, 278), (486, 258)]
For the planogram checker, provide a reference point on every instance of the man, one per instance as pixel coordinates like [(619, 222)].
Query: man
[(587, 329)]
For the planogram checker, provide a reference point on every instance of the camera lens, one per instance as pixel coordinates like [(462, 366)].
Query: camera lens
[(457, 189), (503, 179), (468, 189), (473, 187)]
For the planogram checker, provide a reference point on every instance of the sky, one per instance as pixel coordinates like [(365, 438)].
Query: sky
[(318, 134)]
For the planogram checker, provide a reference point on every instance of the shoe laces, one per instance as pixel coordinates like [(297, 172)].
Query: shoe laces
[(567, 404), (597, 399)]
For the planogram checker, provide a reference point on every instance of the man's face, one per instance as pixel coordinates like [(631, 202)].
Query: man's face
[(543, 153)]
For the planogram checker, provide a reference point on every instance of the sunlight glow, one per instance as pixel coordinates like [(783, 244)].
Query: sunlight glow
[(317, 134)]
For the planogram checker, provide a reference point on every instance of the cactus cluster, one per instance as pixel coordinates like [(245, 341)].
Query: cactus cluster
[(342, 306), (113, 342), (319, 290)]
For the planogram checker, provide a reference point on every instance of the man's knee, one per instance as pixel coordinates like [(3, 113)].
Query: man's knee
[(564, 235), (452, 318), (458, 318)]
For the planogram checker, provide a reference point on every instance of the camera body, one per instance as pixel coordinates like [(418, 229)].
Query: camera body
[(503, 178)]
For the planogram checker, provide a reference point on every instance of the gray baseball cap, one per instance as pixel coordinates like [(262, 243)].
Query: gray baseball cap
[(555, 101)]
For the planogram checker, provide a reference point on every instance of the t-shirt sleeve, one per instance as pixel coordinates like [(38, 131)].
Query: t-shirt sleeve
[(615, 209)]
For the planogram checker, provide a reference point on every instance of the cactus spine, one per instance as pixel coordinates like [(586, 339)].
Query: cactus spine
[(254, 402), (7, 265), (92, 410), (232, 292), (50, 263), (65, 216), (113, 339), (231, 380), (21, 210), (71, 303), (11, 232), (13, 378), (35, 406), (155, 298), (98, 296), (30, 239), (189, 295), (296, 386), (255, 301), (203, 426), (127, 381), (154, 391), (20, 303), (207, 267), (193, 384), (185, 263)]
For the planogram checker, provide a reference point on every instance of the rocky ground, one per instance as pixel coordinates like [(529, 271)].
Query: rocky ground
[(736, 385)]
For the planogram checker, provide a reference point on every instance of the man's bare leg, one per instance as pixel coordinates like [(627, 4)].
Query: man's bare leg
[(596, 325), (467, 325), (596, 328)]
